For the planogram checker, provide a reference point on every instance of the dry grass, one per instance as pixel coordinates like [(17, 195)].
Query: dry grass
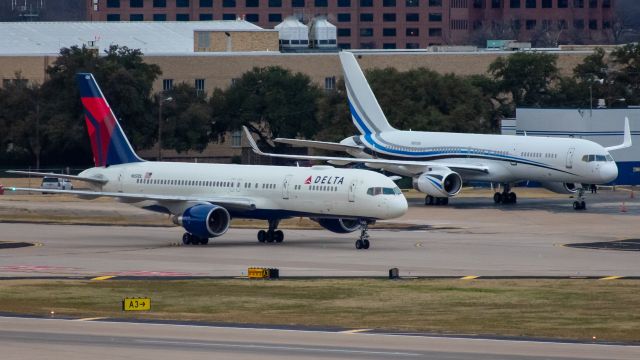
[(573, 309)]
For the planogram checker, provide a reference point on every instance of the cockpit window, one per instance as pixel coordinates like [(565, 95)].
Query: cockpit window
[(373, 191), (601, 158)]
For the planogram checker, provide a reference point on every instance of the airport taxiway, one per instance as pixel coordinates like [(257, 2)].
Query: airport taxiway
[(52, 339), (470, 237)]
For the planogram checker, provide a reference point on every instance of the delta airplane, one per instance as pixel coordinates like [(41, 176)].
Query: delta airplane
[(202, 198), (439, 162)]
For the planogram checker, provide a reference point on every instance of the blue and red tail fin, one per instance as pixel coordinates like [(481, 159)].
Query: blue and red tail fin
[(108, 142)]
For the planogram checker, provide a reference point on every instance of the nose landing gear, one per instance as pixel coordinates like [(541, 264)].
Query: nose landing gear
[(271, 235), (363, 241), (580, 204)]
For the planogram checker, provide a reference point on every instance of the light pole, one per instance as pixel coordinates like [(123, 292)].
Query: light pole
[(600, 81), (161, 101)]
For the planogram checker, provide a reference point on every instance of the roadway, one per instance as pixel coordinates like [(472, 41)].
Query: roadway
[(52, 339)]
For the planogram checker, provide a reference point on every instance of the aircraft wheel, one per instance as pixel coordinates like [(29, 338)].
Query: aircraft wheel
[(186, 239), (359, 244), (497, 198), (513, 198), (583, 205), (365, 244), (278, 236), (445, 201), (204, 241), (428, 200), (576, 205), (269, 236), (262, 236)]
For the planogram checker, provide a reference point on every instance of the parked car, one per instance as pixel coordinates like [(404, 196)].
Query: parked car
[(55, 183)]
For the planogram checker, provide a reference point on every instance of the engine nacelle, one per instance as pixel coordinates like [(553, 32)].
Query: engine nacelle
[(204, 220), (439, 183), (340, 226), (561, 188)]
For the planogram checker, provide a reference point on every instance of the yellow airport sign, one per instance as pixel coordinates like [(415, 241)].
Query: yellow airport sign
[(136, 304)]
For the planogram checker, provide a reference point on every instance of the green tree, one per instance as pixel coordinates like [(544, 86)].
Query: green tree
[(334, 117), (272, 102), (625, 76), (526, 76)]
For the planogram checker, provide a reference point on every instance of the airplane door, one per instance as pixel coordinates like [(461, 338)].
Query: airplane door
[(352, 191), (121, 178), (570, 157), (285, 186)]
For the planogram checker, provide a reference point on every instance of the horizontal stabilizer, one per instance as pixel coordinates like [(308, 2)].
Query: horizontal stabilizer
[(62, 176), (318, 144), (627, 138)]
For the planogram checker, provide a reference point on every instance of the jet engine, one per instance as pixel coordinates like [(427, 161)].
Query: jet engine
[(340, 226), (561, 188), (440, 183), (204, 220)]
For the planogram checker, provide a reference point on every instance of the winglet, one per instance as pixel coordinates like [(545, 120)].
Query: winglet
[(627, 138), (252, 142)]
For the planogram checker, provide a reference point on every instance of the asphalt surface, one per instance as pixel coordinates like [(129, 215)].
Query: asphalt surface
[(472, 236), (52, 339)]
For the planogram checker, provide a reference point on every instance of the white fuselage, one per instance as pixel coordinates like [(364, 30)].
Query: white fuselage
[(276, 191), (508, 158)]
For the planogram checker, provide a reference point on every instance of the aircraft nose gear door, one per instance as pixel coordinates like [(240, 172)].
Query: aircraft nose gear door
[(285, 186), (352, 191), (570, 157)]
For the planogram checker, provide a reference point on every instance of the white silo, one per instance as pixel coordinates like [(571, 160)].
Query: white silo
[(292, 34), (322, 33)]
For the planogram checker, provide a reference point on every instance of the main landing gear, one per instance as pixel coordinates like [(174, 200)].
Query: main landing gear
[(271, 235), (363, 241), (506, 196), (432, 200), (580, 204), (190, 239)]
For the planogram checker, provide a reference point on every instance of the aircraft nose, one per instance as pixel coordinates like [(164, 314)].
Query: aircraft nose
[(609, 172), (397, 207)]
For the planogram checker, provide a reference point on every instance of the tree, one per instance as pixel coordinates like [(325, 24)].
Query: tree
[(526, 76), (625, 76), (272, 102), (334, 117)]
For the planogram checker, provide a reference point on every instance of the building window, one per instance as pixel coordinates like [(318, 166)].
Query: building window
[(578, 24), (236, 138), (252, 3), (366, 3), (413, 32), (530, 4), (199, 86), (389, 17), (435, 17), (275, 3), (275, 17), (547, 4), (330, 83), (254, 18), (496, 4), (136, 17), (206, 3), (167, 84), (435, 32), (344, 3), (182, 3), (228, 16), (413, 17), (514, 4), (366, 17), (593, 4), (159, 17), (388, 32), (159, 3), (366, 32), (229, 3), (320, 3), (412, 3), (297, 3), (113, 17), (206, 17), (563, 4), (113, 4), (136, 3), (389, 3), (203, 39), (578, 4), (530, 24), (344, 17), (593, 24), (344, 46), (344, 32), (606, 4), (413, 46), (478, 4), (182, 17), (437, 3), (606, 24), (562, 24), (389, 45)]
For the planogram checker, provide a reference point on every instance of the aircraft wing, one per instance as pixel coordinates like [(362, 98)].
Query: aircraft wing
[(414, 166), (318, 144), (62, 176), (224, 201)]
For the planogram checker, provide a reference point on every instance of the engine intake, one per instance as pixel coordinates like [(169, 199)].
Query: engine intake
[(561, 188), (439, 183), (340, 226), (204, 220)]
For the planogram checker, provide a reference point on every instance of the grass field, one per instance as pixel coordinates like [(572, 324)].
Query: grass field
[(570, 309)]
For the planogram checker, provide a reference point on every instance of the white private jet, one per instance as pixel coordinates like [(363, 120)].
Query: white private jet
[(439, 162), (203, 198)]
